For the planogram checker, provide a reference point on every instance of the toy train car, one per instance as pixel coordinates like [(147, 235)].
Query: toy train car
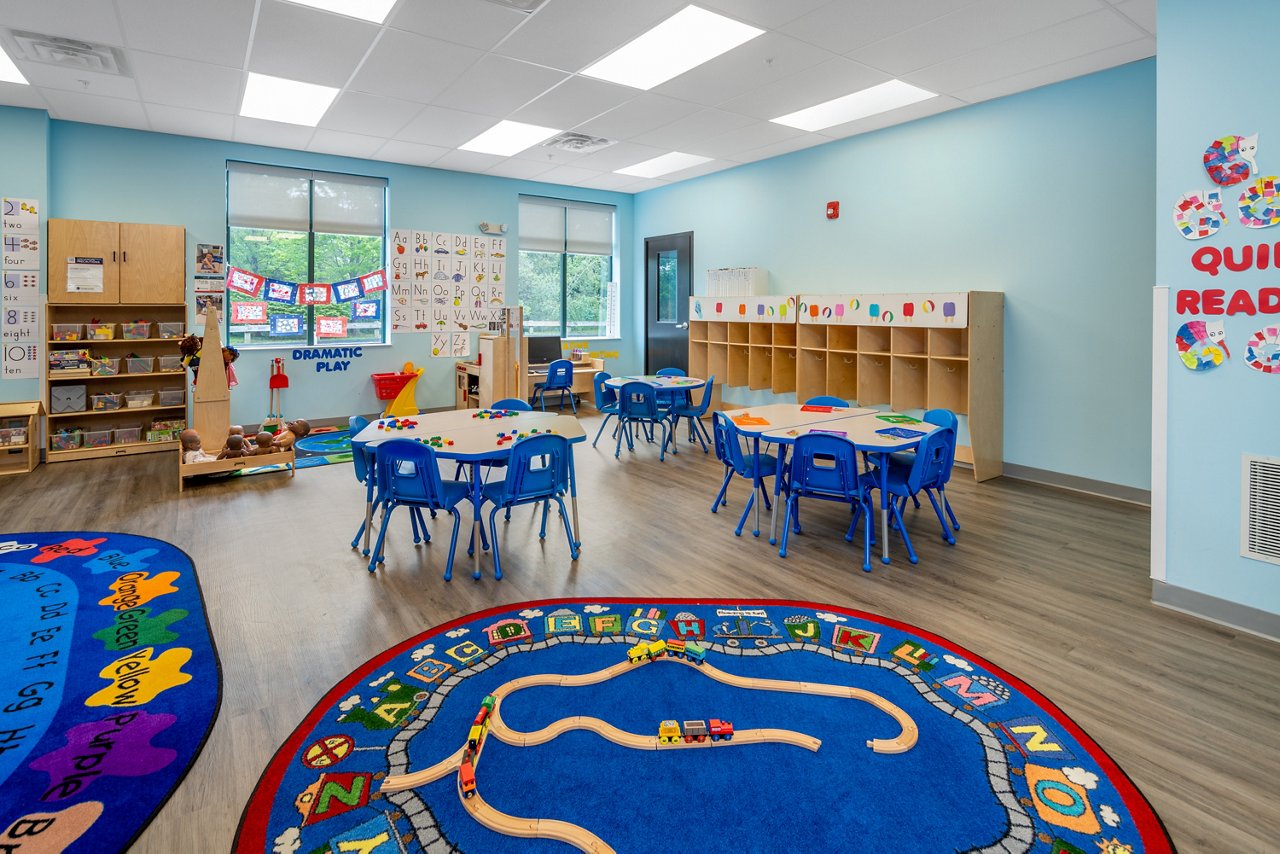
[(669, 732), (478, 728), (467, 774), (646, 651), (674, 648)]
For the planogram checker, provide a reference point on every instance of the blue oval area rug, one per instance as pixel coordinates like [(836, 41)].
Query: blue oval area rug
[(109, 685), (627, 725)]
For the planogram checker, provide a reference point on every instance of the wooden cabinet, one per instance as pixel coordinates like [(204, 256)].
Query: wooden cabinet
[(20, 436), (141, 264)]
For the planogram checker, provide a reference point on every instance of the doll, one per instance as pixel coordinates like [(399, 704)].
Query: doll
[(191, 450), (235, 430), (293, 430), (264, 442), (234, 449)]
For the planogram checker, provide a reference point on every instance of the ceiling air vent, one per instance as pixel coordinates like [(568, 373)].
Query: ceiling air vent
[(578, 143), (1260, 508), (68, 53)]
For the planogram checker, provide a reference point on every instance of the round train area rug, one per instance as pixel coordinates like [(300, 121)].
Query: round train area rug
[(682, 726), (109, 685)]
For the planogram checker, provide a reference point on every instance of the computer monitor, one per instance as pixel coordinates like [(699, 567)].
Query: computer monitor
[(544, 349)]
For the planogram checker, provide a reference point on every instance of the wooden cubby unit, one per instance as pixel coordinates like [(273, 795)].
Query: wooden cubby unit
[(949, 343), (739, 333), (909, 383), (760, 368), (811, 374), (812, 337), (842, 375), (873, 379), (842, 338), (20, 436), (739, 372), (784, 370), (717, 330), (874, 339), (910, 342), (949, 385)]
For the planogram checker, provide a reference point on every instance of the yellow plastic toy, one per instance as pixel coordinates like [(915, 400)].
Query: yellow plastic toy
[(406, 402)]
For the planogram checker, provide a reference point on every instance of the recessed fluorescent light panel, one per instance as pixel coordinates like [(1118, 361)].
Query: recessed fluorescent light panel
[(859, 105), (673, 162), (368, 10), (508, 138), (9, 72), (278, 100), (687, 39)]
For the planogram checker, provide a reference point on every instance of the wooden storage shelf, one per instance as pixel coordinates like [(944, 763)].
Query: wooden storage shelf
[(760, 334), (811, 373), (784, 335), (949, 385), (717, 331), (698, 359), (812, 337), (20, 457), (874, 339), (697, 330), (739, 372), (760, 368), (949, 343), (784, 370), (842, 338), (121, 450), (910, 342), (909, 383), (739, 333), (120, 413), (79, 379), (842, 375), (873, 380), (718, 361)]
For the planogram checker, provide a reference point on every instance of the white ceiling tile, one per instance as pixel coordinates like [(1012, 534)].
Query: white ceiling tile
[(299, 43), (550, 156), (77, 107), (467, 161), (608, 181), (188, 28), (187, 122), (1059, 71), (909, 113), (445, 128), (1057, 43), (763, 61), (478, 25), (966, 30), (617, 156), (1141, 12), (694, 128), (815, 85), (84, 20), (644, 113), (370, 115), (777, 149), (767, 14), (17, 95), (567, 175), (574, 101), (495, 86), (344, 144), (745, 138), (643, 184), (700, 169), (412, 67), (523, 169), (276, 134), (183, 83), (571, 34), (412, 153), (841, 25), (44, 76)]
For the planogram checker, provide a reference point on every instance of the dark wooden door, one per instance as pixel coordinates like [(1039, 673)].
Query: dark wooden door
[(668, 281)]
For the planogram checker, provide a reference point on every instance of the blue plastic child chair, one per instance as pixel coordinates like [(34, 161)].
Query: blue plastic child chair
[(826, 467), (409, 476), (559, 378), (694, 415), (904, 459), (729, 451), (537, 470), (638, 407), (827, 400), (933, 456), (606, 400), (669, 398)]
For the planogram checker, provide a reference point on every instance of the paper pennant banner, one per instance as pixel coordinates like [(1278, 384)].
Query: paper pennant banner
[(244, 282), (331, 327), (314, 294), (375, 281), (282, 292), (366, 309), (249, 313), (286, 324), (347, 290)]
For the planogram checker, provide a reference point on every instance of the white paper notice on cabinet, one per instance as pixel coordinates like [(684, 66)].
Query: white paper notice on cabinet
[(84, 275)]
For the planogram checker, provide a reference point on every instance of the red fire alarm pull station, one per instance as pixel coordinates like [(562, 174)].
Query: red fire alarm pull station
[(833, 210)]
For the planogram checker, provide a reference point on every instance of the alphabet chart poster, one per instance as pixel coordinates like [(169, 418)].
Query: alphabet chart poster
[(21, 325), (440, 280)]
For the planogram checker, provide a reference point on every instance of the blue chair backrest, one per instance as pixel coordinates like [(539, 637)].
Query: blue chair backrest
[(728, 446), (637, 400), (355, 424), (537, 468), (560, 374), (701, 409), (826, 400), (942, 418), (934, 458), (825, 465), (668, 396), (670, 372), (514, 403), (407, 471), (605, 396)]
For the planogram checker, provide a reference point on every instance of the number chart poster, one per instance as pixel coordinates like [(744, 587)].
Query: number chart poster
[(21, 330)]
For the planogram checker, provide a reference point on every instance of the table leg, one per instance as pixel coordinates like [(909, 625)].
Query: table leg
[(777, 491), (475, 523), (759, 486), (884, 508), (573, 500)]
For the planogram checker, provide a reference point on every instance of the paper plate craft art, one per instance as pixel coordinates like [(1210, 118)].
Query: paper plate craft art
[(1202, 344), (1198, 214), (1259, 207), (1230, 159), (1262, 353)]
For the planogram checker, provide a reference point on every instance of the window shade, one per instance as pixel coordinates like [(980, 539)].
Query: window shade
[(275, 197), (349, 204), (556, 225), (589, 231), (541, 228)]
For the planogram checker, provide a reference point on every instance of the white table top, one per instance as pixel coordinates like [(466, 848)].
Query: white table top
[(780, 416), (663, 383), (466, 437), (862, 430)]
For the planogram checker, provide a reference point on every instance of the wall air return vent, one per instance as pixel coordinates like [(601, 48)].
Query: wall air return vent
[(69, 53), (1260, 508), (578, 143)]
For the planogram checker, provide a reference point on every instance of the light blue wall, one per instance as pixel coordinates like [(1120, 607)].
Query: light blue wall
[(24, 169), (1215, 416), (108, 173), (1043, 195)]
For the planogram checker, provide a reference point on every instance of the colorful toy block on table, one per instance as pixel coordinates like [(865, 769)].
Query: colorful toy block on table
[(494, 413), (396, 424)]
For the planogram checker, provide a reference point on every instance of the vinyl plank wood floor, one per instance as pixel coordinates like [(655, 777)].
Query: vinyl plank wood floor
[(1050, 585)]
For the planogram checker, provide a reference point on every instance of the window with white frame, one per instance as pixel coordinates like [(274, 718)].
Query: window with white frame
[(568, 277), (299, 226)]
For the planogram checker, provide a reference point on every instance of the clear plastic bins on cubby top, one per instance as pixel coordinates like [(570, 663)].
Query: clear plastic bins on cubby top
[(140, 398), (140, 364), (105, 401), (97, 438), (68, 331), (136, 330), (173, 396), (128, 435), (167, 364), (171, 330)]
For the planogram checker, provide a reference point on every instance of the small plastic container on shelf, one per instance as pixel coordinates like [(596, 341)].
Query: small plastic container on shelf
[(128, 435), (65, 440), (135, 329), (139, 398), (105, 401), (97, 438), (169, 364), (68, 331), (140, 364), (104, 367), (173, 396), (101, 331), (172, 330)]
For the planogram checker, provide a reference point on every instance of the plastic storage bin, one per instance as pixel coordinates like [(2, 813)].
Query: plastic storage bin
[(67, 398), (65, 440), (140, 364), (169, 363), (104, 367), (171, 330), (173, 396), (135, 330), (105, 401), (97, 438), (128, 435), (101, 331), (68, 331), (140, 398)]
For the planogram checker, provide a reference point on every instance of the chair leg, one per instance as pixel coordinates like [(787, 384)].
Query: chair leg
[(662, 451), (573, 401), (947, 504), (619, 430), (700, 432), (574, 551), (746, 511), (786, 524), (413, 523), (497, 562), (355, 542), (902, 529), (453, 544), (724, 487), (542, 532), (378, 557), (942, 520), (599, 432)]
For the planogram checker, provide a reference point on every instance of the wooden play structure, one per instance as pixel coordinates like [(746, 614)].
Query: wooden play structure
[(211, 412)]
